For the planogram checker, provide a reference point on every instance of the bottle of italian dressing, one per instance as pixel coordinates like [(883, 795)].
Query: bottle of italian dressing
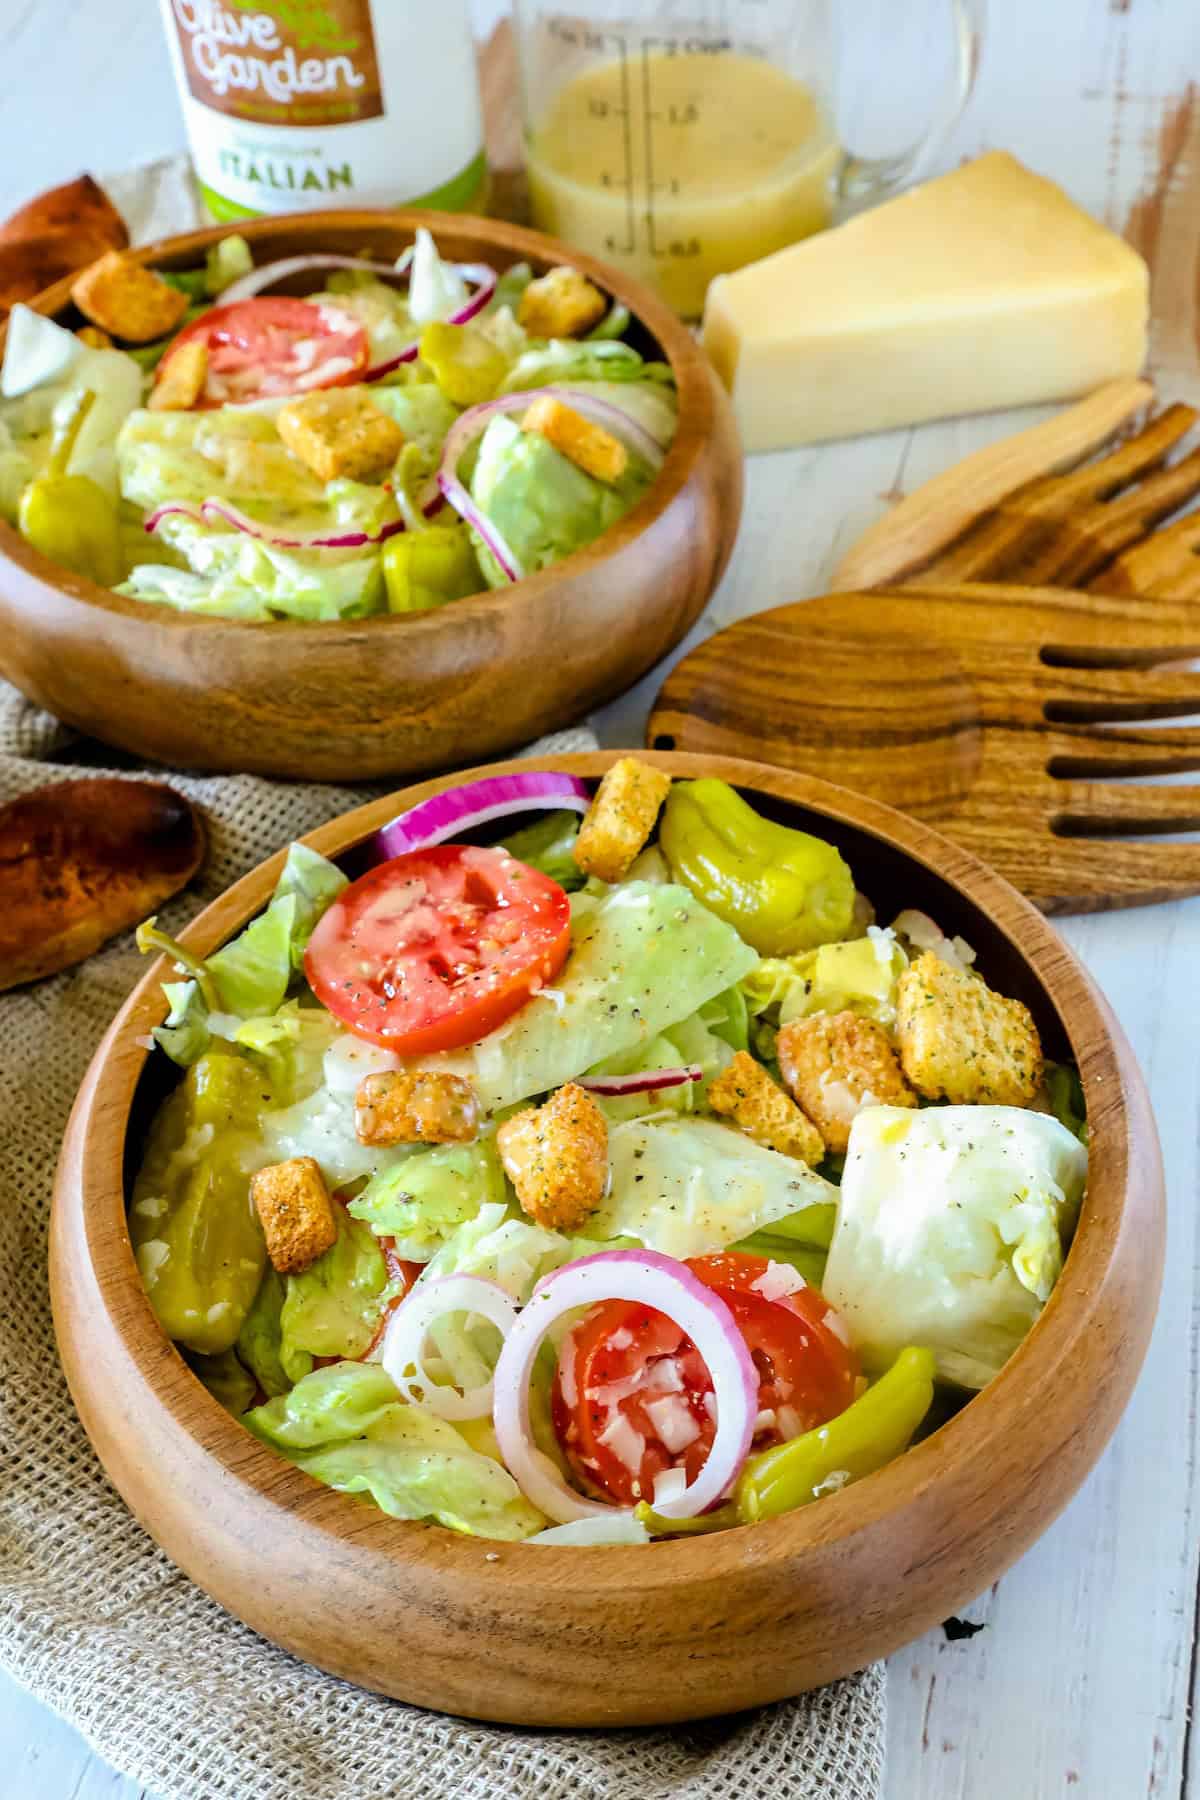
[(294, 104)]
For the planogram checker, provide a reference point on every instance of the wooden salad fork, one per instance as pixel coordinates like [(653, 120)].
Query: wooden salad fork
[(1033, 725), (1031, 509)]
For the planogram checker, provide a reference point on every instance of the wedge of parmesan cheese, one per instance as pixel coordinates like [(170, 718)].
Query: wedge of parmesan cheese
[(987, 287)]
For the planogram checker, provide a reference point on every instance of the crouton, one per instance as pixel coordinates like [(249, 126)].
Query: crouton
[(620, 819), (745, 1093), (340, 433), (556, 1156), (961, 1042), (94, 338), (835, 1063), (596, 451), (297, 1214), (181, 378), (560, 304), (416, 1106), (127, 301)]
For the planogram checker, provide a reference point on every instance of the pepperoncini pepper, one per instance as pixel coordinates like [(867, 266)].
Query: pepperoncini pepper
[(871, 1431), (196, 1236), (426, 568), (70, 518), (782, 890), (464, 362)]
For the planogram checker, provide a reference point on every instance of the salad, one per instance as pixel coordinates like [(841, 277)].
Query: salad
[(591, 1182), (401, 437)]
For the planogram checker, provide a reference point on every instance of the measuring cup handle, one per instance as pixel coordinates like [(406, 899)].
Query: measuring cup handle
[(864, 180)]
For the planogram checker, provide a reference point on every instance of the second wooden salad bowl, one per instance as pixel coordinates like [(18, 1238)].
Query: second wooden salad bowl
[(675, 1630), (358, 699)]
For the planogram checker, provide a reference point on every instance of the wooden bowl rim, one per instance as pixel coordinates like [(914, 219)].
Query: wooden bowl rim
[(1009, 1403), (693, 385)]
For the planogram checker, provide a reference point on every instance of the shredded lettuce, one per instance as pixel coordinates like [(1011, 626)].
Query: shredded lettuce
[(315, 883), (346, 1426), (334, 1307), (260, 1341), (501, 1245), (226, 1380), (423, 1199), (643, 958), (250, 976), (45, 371), (435, 288), (548, 844), (422, 412), (687, 1186), (1064, 1094), (573, 359), (857, 976)]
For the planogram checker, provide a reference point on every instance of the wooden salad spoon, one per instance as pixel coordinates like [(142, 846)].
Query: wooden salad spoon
[(1023, 721)]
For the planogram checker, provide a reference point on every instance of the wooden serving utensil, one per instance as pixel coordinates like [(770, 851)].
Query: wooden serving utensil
[(1013, 717), (1011, 513), (81, 861)]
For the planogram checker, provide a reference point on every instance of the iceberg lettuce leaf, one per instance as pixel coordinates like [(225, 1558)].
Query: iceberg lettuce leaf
[(544, 505), (422, 1200), (260, 1341), (346, 1426), (687, 1187), (334, 1307), (643, 958), (950, 1231)]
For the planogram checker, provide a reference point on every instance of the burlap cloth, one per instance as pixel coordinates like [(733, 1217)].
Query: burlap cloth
[(94, 1619)]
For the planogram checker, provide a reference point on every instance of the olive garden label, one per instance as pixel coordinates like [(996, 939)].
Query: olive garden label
[(315, 103), (303, 62)]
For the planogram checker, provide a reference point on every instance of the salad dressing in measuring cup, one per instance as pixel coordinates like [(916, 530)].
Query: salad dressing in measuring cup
[(681, 139), (682, 163)]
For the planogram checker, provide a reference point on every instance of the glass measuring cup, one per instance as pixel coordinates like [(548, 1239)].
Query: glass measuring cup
[(683, 138)]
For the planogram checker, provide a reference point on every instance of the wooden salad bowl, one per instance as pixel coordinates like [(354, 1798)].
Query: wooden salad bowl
[(589, 1637), (361, 698)]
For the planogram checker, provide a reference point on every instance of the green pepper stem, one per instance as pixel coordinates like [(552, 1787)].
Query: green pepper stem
[(149, 938), (658, 1526)]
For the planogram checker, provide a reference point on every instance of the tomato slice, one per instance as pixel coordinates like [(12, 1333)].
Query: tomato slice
[(274, 345), (633, 1398), (437, 947)]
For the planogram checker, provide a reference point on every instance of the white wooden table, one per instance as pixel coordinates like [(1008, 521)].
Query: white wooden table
[(1082, 1681)]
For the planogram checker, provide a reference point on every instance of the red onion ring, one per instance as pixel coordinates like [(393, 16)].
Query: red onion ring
[(247, 286), (646, 1278), (468, 426), (462, 808), (645, 1081), (408, 1327), (213, 508)]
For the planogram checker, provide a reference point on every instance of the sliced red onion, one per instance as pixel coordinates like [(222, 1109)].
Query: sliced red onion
[(460, 809), (469, 425), (404, 1341), (646, 1278), (644, 1081), (246, 286), (182, 509), (231, 515)]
